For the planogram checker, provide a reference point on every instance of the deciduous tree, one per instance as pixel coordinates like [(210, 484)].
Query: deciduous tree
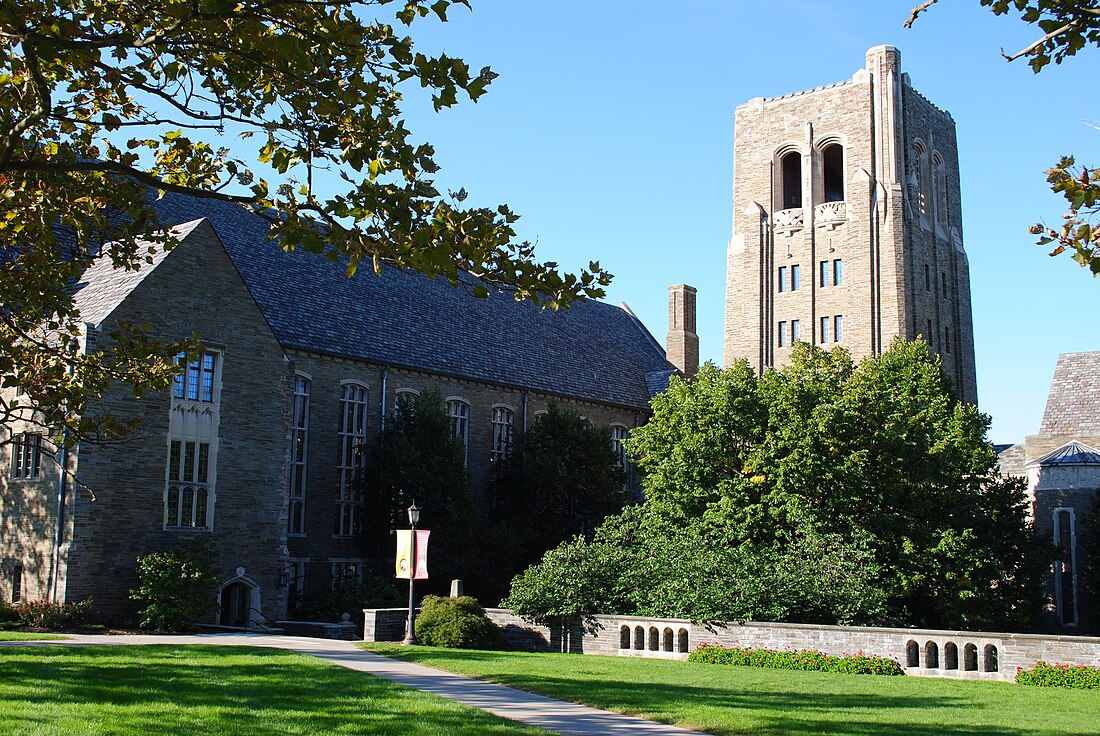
[(1067, 26), (872, 477), (103, 102)]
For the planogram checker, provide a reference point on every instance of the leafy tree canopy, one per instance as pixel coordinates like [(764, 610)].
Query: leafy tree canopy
[(103, 101), (1068, 26), (561, 478), (871, 477)]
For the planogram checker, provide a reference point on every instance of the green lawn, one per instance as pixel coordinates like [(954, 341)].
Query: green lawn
[(750, 700), (29, 636), (216, 690)]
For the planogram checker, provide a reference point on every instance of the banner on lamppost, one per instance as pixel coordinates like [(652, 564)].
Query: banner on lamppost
[(421, 571), (404, 561)]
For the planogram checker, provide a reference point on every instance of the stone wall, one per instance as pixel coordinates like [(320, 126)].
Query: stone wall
[(921, 652)]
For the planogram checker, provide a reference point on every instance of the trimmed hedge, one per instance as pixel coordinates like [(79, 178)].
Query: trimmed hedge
[(1042, 674), (805, 659)]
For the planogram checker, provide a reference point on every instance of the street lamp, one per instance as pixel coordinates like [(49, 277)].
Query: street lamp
[(410, 635)]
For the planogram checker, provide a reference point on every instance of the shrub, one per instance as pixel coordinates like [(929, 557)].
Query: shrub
[(458, 623), (8, 612), (1042, 674), (177, 587), (46, 615), (806, 659)]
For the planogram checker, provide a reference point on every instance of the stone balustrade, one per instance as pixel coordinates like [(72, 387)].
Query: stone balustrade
[(922, 652)]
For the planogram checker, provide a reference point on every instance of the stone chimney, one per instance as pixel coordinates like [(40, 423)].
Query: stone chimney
[(682, 344)]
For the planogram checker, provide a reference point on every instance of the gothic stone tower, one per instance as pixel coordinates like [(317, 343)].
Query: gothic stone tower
[(847, 226)]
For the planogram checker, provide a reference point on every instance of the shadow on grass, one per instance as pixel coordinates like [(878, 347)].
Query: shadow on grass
[(183, 689), (873, 705)]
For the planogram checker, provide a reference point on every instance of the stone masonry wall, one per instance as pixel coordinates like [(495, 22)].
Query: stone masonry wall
[(922, 652), (319, 548), (118, 509), (876, 117)]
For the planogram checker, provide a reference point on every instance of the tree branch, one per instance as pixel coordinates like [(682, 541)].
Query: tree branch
[(918, 10), (128, 171), (1053, 34)]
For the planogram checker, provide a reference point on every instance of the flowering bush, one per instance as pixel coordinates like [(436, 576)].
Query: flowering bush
[(1060, 675), (805, 659), (46, 615)]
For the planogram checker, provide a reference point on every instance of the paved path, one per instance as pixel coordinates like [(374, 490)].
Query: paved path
[(568, 719)]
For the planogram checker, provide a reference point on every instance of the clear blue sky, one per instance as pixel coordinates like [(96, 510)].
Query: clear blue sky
[(610, 132)]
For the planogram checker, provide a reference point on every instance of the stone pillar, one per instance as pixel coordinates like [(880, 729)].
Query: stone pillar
[(682, 344)]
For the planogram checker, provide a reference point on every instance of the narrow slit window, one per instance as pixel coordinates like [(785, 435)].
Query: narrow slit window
[(838, 272), (782, 279), (782, 333), (794, 331), (824, 273), (838, 328), (824, 330), (796, 277)]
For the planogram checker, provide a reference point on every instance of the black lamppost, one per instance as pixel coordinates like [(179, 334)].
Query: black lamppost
[(410, 635)]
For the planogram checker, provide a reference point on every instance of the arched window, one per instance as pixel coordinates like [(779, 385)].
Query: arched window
[(352, 435), (832, 172), (405, 399), (503, 420), (618, 434), (459, 412), (666, 640), (639, 638), (791, 172), (624, 637), (654, 639), (299, 431), (918, 180), (682, 641), (939, 182), (1065, 564)]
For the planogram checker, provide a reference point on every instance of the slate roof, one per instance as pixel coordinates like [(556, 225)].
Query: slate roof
[(1072, 453), (1073, 405), (594, 351), (103, 287)]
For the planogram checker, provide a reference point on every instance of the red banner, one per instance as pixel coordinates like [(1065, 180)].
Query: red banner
[(422, 554)]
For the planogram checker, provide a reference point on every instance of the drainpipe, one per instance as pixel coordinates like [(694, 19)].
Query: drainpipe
[(62, 489), (382, 421), (525, 395)]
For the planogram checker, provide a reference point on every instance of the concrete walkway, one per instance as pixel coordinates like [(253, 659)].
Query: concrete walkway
[(568, 719)]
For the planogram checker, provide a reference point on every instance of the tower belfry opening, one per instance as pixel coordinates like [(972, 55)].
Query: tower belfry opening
[(878, 203)]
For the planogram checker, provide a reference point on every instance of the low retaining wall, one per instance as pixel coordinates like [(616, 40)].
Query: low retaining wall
[(923, 652)]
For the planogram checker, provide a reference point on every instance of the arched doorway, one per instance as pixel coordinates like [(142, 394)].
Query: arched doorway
[(236, 601)]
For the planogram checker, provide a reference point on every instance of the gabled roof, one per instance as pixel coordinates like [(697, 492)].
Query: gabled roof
[(1073, 405), (102, 287), (1072, 453), (594, 351)]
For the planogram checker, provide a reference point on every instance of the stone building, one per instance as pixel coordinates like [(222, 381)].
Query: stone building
[(1062, 467), (254, 445), (847, 226)]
